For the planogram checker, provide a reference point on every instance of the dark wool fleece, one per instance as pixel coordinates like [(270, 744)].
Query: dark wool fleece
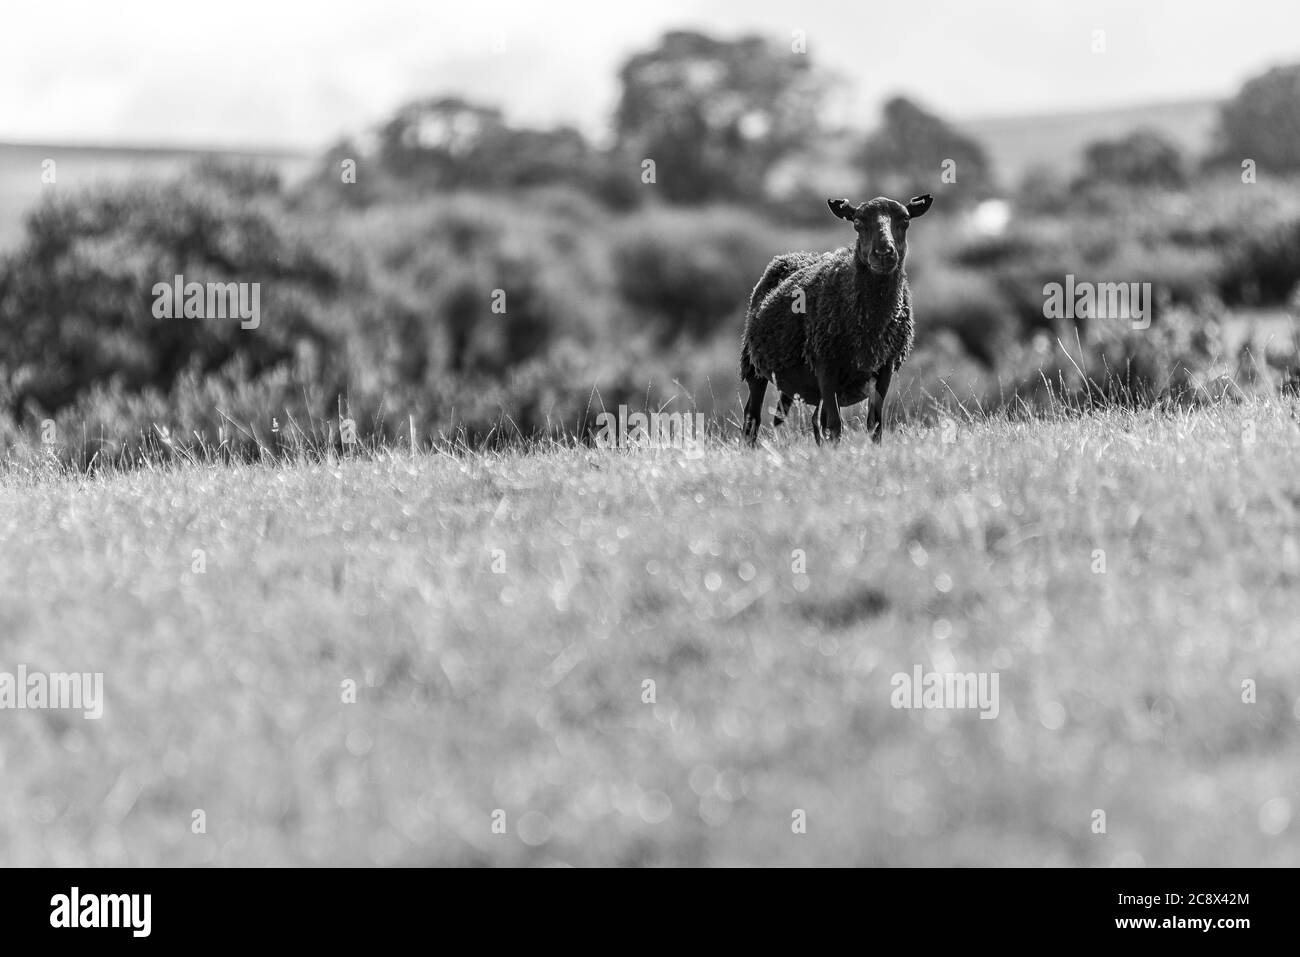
[(853, 319)]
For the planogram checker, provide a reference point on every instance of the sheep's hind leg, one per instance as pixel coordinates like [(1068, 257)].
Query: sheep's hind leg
[(876, 411), (828, 416), (754, 408)]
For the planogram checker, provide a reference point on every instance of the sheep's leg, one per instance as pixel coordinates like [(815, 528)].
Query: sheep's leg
[(828, 417), (754, 407), (876, 411), (783, 409)]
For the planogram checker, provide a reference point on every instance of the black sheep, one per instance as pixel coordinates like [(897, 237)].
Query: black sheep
[(824, 325)]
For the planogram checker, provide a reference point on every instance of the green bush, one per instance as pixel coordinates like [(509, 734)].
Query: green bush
[(476, 285), (690, 272), (77, 299), (1261, 266), (1145, 158), (969, 305)]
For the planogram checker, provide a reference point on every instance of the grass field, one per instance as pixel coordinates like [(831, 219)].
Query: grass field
[(500, 614)]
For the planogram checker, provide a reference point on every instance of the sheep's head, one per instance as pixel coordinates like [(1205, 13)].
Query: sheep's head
[(882, 229)]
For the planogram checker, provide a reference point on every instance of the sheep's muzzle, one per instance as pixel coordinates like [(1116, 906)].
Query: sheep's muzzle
[(882, 262)]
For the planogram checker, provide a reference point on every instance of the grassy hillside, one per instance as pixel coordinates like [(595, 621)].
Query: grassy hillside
[(500, 614)]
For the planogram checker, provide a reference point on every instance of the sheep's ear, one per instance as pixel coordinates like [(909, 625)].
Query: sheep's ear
[(918, 205), (841, 208)]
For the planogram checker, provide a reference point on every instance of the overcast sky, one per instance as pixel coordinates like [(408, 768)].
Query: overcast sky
[(299, 74)]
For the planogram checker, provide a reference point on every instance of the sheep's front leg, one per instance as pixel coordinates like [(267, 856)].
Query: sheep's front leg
[(754, 408), (876, 410), (828, 416)]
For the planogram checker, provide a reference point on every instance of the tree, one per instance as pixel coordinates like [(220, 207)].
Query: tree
[(1262, 122), (451, 143), (715, 115), (912, 151), (442, 142), (1144, 157)]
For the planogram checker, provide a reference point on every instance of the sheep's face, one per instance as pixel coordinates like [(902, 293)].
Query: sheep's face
[(881, 225)]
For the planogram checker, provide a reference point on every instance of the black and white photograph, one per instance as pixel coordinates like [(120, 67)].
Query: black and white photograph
[(698, 434)]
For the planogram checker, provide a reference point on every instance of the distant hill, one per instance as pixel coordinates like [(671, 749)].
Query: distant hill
[(78, 166), (1016, 143)]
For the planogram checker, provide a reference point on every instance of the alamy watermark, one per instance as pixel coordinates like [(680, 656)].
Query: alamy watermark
[(215, 300), (128, 911), (654, 430), (1098, 300), (55, 691), (946, 690)]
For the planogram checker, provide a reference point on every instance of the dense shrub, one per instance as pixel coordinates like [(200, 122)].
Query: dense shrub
[(77, 300), (1144, 157), (476, 285), (1168, 360), (691, 272), (1262, 265), (967, 304), (230, 410), (1043, 190), (990, 252)]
